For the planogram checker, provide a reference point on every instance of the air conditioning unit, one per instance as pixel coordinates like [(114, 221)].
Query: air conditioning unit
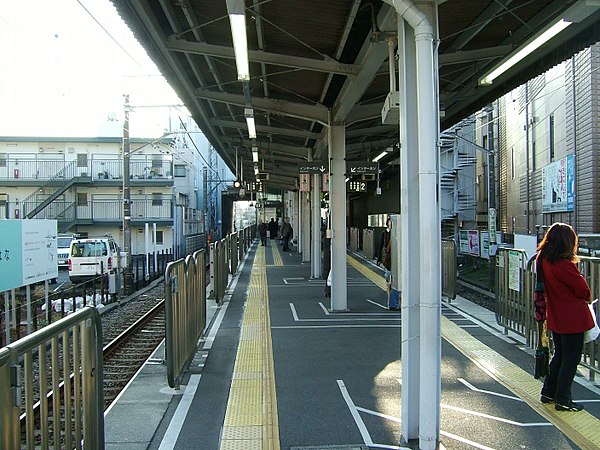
[(390, 113), (262, 176)]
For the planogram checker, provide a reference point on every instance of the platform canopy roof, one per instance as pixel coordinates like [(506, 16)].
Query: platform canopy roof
[(312, 61)]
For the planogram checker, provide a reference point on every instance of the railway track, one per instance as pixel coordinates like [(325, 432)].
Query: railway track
[(125, 354)]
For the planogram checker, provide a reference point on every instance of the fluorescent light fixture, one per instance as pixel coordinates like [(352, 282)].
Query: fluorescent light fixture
[(255, 155), (237, 20), (524, 51), (382, 154), (256, 170), (249, 113)]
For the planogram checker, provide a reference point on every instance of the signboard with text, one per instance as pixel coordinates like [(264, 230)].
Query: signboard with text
[(354, 168), (558, 186), (357, 186), (27, 252), (313, 167)]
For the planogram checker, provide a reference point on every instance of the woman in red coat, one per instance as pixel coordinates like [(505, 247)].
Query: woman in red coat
[(567, 313)]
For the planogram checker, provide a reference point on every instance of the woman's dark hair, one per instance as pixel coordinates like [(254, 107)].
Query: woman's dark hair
[(560, 242)]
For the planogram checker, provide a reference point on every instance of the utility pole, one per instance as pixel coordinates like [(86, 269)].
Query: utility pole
[(127, 279)]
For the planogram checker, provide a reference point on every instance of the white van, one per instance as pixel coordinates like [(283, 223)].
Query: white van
[(90, 257), (63, 245)]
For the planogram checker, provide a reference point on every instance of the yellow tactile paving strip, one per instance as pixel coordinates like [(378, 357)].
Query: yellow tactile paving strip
[(582, 428), (251, 417), (277, 261)]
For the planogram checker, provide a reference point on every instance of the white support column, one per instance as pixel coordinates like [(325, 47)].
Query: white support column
[(315, 260), (305, 202), (337, 204), (409, 234), (430, 242), (429, 239), (295, 217)]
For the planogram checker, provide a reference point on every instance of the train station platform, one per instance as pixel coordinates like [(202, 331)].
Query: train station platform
[(278, 369)]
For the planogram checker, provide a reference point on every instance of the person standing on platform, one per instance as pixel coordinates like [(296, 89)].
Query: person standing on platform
[(385, 257), (567, 313), (287, 233), (262, 232), (272, 229)]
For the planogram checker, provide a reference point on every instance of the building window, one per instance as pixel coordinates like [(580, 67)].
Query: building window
[(156, 163), (551, 136), (82, 159), (2, 159), (179, 170), (82, 199), (156, 199), (159, 237), (513, 163)]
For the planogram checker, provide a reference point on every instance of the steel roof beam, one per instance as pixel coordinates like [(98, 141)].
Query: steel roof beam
[(290, 150), (461, 57), (258, 56), (304, 111), (263, 129)]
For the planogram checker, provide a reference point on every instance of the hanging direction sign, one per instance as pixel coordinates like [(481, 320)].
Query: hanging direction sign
[(313, 167), (357, 186), (359, 168)]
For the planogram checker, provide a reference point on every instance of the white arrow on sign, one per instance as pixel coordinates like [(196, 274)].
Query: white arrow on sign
[(352, 169), (322, 169)]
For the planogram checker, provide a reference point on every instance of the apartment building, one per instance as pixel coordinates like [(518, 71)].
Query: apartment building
[(79, 182)]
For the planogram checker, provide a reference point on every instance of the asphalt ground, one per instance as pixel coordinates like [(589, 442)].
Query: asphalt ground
[(338, 375)]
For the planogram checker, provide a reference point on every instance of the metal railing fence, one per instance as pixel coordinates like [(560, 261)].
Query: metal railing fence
[(515, 281), (51, 391), (185, 310), (449, 269)]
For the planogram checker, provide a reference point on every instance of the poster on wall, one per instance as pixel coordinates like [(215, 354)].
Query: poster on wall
[(463, 240), (474, 243), (485, 244), (558, 185), (514, 271)]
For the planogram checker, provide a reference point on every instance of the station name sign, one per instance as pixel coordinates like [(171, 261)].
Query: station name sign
[(313, 167)]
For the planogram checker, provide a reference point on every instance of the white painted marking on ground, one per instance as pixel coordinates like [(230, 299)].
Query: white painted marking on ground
[(352, 317), (378, 414), (362, 428), (357, 419), (170, 438), (316, 327), (377, 304), (294, 313), (496, 418), (465, 441), (342, 314), (210, 339), (497, 394)]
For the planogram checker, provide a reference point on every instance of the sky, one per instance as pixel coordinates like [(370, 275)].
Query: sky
[(65, 66)]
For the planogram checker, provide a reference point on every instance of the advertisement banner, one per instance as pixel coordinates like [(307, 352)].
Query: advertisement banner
[(558, 186), (474, 243), (485, 244), (463, 238)]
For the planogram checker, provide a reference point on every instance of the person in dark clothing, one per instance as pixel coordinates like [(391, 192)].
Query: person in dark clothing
[(262, 232), (567, 313), (287, 232), (272, 228)]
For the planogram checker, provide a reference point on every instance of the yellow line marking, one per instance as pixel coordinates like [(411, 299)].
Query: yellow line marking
[(582, 427), (276, 255), (251, 420)]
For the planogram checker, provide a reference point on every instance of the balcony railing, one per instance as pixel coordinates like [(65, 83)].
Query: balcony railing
[(104, 210), (31, 167)]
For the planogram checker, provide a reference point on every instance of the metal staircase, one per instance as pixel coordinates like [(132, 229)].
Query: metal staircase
[(458, 158), (60, 182)]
